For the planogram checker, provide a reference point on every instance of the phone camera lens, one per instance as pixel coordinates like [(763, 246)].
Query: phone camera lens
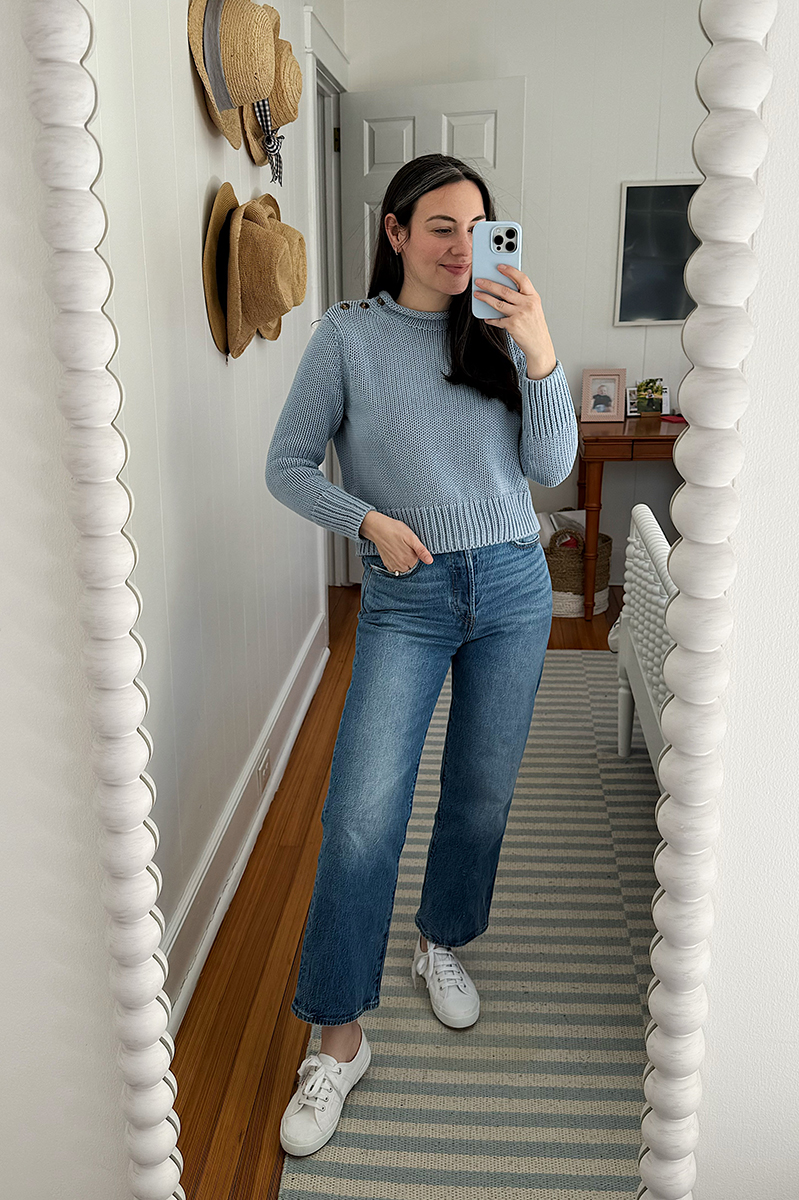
[(498, 240), (510, 233)]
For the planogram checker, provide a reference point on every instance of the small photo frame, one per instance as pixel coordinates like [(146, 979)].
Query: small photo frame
[(632, 402), (603, 394), (649, 397)]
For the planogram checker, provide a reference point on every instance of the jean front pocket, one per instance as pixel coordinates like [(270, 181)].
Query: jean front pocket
[(531, 539), (376, 563)]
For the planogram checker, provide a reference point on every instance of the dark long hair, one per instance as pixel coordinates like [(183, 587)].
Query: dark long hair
[(479, 353)]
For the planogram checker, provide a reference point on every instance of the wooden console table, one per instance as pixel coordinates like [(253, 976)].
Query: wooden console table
[(613, 441)]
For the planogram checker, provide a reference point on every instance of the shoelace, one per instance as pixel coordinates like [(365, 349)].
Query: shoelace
[(442, 962), (316, 1084)]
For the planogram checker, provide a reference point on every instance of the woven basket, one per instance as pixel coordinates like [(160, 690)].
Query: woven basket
[(567, 571)]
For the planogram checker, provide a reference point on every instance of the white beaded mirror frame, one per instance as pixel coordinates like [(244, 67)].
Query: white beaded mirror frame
[(732, 80)]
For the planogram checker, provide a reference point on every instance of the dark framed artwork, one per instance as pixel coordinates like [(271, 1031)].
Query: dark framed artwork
[(655, 242)]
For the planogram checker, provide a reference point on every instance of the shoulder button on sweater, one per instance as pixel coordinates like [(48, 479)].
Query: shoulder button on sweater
[(364, 304), (345, 304)]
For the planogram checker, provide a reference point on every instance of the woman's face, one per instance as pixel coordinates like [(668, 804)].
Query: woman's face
[(440, 237)]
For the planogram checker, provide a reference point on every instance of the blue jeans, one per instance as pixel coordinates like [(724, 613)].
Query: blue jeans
[(486, 612)]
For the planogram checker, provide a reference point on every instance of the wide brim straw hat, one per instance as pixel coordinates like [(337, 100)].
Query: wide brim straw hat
[(250, 278), (261, 275), (233, 44), (215, 264), (296, 243), (253, 136), (269, 204), (284, 101), (271, 329), (299, 261), (297, 247)]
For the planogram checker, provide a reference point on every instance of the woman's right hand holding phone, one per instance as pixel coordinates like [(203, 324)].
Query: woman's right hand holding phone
[(398, 545)]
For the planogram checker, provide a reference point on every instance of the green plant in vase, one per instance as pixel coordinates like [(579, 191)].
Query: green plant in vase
[(649, 395)]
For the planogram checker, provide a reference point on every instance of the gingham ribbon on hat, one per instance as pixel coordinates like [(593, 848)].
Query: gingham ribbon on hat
[(271, 141)]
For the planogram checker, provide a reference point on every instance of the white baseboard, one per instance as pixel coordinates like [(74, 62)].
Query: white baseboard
[(205, 900)]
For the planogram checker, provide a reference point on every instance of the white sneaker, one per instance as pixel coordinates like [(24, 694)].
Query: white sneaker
[(313, 1112), (452, 994)]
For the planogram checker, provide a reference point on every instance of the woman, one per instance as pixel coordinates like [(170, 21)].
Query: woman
[(437, 418)]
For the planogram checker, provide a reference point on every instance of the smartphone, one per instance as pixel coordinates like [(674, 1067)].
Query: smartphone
[(494, 242)]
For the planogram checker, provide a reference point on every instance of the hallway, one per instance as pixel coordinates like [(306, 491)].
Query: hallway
[(542, 1097), (239, 1045)]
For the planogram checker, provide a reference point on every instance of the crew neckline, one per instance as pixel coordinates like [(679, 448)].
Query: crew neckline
[(412, 314)]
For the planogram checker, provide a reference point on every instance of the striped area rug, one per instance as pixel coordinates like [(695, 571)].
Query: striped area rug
[(541, 1099)]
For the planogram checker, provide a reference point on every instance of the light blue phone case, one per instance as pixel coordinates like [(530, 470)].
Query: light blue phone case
[(485, 260)]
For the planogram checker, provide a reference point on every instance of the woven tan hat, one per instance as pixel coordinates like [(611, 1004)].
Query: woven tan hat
[(215, 263), (271, 329), (296, 243), (299, 262), (233, 46), (284, 101), (269, 204), (253, 136), (254, 270), (260, 275)]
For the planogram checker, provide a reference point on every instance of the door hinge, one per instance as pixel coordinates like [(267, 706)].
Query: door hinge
[(336, 141)]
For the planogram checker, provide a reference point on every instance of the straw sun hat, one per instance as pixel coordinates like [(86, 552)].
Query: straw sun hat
[(254, 270), (250, 75)]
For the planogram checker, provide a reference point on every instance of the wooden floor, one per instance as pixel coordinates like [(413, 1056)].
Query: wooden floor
[(239, 1045)]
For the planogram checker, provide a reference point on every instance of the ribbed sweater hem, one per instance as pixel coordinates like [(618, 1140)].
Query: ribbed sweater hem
[(467, 524)]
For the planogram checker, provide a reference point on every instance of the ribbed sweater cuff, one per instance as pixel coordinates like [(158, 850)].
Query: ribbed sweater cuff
[(549, 401), (340, 511)]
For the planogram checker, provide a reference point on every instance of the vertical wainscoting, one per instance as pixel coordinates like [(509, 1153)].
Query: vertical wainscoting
[(232, 582)]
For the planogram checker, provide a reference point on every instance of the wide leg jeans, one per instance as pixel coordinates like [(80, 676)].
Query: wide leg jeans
[(487, 612)]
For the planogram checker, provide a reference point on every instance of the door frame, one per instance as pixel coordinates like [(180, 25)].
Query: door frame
[(329, 262)]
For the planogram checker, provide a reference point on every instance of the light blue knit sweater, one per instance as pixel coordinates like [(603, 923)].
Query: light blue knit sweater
[(441, 457)]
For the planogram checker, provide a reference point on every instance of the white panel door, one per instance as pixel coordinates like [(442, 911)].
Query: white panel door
[(481, 122)]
